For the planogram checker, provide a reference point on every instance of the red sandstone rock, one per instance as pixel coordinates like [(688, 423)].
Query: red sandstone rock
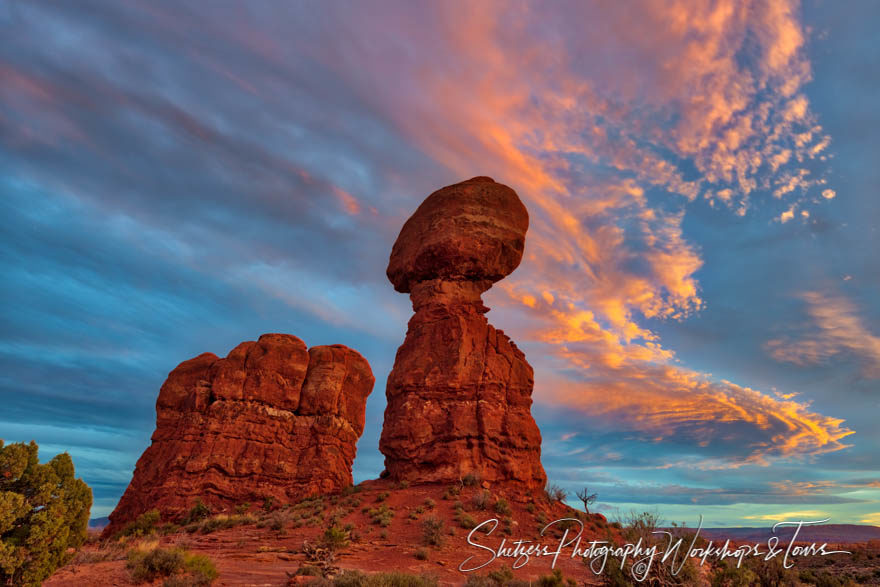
[(272, 419), (459, 396), (474, 230)]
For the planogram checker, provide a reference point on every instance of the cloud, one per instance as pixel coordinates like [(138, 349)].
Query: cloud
[(822, 487), (726, 425), (804, 515), (244, 167), (838, 328)]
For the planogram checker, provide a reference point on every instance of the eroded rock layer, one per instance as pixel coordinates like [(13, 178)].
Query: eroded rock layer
[(271, 420), (459, 395)]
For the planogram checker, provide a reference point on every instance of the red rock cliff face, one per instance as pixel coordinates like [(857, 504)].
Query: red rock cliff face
[(459, 396), (272, 419)]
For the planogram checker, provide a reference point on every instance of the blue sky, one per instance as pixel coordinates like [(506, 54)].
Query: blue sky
[(698, 292)]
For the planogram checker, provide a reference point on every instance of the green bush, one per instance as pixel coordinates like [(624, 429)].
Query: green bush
[(465, 520), (180, 567), (144, 525), (201, 569), (44, 511), (381, 515), (148, 565), (335, 538), (197, 513), (502, 507)]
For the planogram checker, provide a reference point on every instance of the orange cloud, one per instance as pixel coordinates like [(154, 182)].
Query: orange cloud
[(349, 202), (688, 99)]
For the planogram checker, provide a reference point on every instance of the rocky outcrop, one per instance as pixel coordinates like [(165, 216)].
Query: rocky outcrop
[(271, 420), (459, 396)]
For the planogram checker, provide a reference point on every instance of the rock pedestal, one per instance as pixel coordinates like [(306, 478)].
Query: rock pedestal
[(459, 395)]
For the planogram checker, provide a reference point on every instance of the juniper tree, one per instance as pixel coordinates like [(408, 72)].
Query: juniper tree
[(44, 514)]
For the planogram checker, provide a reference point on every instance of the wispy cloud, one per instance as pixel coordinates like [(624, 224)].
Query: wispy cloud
[(838, 328)]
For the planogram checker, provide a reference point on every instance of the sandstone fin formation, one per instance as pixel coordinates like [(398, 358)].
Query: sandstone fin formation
[(271, 420)]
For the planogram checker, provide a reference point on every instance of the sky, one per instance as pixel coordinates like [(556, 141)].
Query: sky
[(698, 294)]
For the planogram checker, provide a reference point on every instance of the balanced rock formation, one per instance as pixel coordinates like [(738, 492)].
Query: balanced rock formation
[(459, 395), (271, 420)]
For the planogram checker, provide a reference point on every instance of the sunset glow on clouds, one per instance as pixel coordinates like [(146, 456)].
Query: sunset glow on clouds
[(179, 180)]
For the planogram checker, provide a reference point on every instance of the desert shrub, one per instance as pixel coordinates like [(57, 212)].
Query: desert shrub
[(481, 500), (639, 527), (422, 554), (197, 512), (432, 531), (555, 579), (731, 576), (502, 507), (309, 571), (507, 525), (199, 571), (176, 564), (44, 513), (269, 504), (430, 503), (465, 520), (641, 524), (144, 525), (335, 538), (221, 522), (392, 579), (382, 496), (470, 480), (242, 508), (502, 576), (276, 523), (555, 492), (277, 520), (351, 489), (148, 565), (106, 551), (381, 515), (452, 491)]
